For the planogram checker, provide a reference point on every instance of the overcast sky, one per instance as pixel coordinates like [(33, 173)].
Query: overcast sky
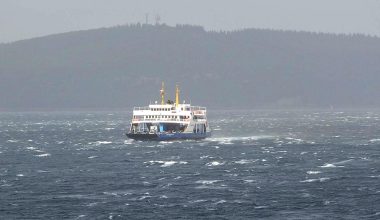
[(22, 19)]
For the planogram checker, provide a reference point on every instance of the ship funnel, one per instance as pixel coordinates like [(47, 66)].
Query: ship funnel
[(162, 92), (176, 95)]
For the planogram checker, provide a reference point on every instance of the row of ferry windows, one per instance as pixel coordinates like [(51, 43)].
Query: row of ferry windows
[(168, 109), (162, 109), (166, 116)]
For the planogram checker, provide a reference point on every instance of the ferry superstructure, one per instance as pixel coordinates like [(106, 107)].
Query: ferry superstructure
[(169, 120)]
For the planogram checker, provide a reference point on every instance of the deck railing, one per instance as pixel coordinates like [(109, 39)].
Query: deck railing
[(159, 119)]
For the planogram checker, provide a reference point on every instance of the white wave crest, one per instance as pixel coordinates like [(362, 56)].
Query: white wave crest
[(374, 140), (43, 155), (328, 165), (228, 140), (12, 141), (221, 202), (165, 163), (214, 163), (129, 141), (207, 182), (313, 172), (244, 161), (108, 129), (323, 179), (102, 142)]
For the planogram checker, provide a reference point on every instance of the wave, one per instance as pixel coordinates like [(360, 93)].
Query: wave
[(221, 202), (240, 138), (313, 172), (207, 182), (323, 179), (374, 140), (245, 161), (12, 141), (328, 165), (198, 201), (214, 163), (108, 129), (102, 142), (165, 163), (336, 164), (129, 141), (43, 155)]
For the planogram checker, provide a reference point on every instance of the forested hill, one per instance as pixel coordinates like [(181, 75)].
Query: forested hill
[(123, 66)]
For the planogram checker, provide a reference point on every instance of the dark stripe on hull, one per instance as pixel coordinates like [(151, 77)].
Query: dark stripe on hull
[(143, 137), (168, 136)]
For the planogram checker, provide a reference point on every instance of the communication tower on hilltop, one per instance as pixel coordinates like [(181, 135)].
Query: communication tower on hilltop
[(158, 19), (146, 18)]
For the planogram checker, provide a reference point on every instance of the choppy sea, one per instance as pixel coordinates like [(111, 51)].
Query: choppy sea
[(256, 165)]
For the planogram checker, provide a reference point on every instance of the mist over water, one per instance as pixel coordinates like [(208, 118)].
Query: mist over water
[(257, 164)]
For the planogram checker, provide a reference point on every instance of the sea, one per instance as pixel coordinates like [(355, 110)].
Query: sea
[(309, 164)]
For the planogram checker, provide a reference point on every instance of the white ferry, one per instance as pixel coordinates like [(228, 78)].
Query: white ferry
[(169, 120)]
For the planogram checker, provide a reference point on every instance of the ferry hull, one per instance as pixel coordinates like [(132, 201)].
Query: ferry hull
[(168, 136)]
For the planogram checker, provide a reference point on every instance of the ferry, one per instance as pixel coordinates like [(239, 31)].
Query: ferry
[(169, 121)]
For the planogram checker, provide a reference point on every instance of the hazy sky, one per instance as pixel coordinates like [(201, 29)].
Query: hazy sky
[(21, 19)]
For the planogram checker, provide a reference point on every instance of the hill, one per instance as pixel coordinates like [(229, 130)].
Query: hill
[(123, 66)]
